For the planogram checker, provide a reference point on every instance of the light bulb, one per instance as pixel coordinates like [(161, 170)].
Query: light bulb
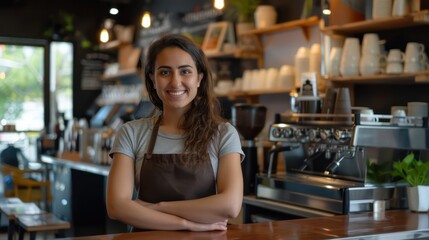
[(146, 20), (104, 36), (113, 11), (219, 4), (326, 11)]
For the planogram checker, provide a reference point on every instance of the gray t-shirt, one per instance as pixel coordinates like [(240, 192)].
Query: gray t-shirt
[(133, 138)]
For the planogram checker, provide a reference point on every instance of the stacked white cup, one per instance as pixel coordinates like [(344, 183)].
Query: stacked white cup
[(372, 60), (395, 60), (350, 58), (302, 64), (415, 57)]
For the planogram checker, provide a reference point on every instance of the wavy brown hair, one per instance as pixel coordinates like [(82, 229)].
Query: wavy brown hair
[(201, 121)]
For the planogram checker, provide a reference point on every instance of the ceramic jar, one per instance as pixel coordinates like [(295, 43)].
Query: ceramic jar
[(265, 16)]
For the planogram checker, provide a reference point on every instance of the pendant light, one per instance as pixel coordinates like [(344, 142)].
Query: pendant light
[(146, 19), (105, 31), (104, 35), (326, 10), (219, 4)]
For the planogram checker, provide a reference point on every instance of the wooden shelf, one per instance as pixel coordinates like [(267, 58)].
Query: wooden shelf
[(382, 24), (420, 77), (237, 53), (304, 24), (249, 93), (119, 74)]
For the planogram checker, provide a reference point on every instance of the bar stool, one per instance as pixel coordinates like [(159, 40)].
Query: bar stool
[(40, 222)]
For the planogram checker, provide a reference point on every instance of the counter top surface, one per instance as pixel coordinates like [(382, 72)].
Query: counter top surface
[(393, 224), (73, 161)]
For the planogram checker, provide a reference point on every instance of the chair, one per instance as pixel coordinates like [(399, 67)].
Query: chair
[(27, 184)]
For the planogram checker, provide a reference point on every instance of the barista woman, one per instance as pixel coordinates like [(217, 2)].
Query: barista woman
[(184, 163)]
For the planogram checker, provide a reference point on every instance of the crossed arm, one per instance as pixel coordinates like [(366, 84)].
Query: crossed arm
[(205, 214)]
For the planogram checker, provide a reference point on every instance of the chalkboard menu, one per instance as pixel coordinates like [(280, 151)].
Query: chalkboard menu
[(93, 65), (192, 24)]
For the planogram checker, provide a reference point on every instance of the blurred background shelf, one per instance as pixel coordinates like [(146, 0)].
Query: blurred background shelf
[(382, 24), (406, 78)]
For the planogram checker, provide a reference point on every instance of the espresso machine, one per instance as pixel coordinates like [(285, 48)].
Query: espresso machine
[(249, 120), (334, 163)]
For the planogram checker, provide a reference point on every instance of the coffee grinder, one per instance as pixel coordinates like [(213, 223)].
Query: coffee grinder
[(249, 120)]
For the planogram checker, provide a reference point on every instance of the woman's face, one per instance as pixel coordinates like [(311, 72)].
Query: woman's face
[(175, 78)]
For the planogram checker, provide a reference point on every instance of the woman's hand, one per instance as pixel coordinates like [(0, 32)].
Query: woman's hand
[(200, 227)]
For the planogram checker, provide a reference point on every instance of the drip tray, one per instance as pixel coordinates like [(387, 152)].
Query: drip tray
[(321, 193)]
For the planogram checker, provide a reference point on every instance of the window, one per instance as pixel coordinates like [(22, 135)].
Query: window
[(24, 99), (21, 86)]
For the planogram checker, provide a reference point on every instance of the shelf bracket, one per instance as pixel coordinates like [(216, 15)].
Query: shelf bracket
[(306, 33)]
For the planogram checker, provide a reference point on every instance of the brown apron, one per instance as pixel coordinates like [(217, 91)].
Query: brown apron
[(164, 177)]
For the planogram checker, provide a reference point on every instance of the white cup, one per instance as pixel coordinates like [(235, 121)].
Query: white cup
[(370, 65), (247, 80), (381, 8), (350, 57), (272, 78), (412, 67), (315, 58), (393, 109), (370, 44), (394, 67), (417, 109), (302, 64), (399, 117), (334, 62), (400, 8), (367, 115), (414, 52), (395, 55), (286, 77)]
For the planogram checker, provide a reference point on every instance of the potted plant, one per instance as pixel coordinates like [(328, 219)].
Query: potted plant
[(415, 173), (244, 11)]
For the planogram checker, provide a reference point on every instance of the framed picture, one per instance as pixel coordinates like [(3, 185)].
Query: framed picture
[(249, 43), (215, 36)]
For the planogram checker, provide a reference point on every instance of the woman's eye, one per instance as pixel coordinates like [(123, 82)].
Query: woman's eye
[(186, 71), (164, 72)]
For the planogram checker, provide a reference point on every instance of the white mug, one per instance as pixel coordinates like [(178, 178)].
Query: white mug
[(394, 68), (370, 44), (395, 55), (399, 117), (381, 8), (350, 58), (419, 110), (414, 52), (272, 78), (412, 67), (367, 115), (286, 77), (400, 8), (370, 65), (334, 62)]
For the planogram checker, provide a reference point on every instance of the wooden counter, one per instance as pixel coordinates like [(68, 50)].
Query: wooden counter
[(395, 224), (73, 161)]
